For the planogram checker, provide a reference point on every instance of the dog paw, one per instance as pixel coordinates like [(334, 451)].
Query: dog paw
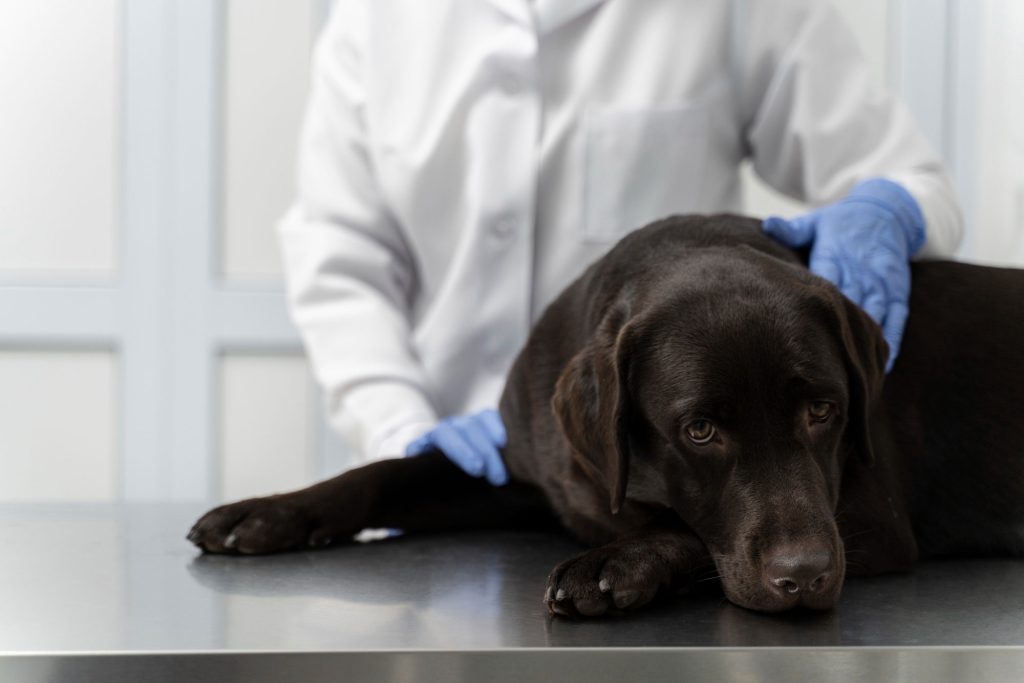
[(256, 526), (608, 580)]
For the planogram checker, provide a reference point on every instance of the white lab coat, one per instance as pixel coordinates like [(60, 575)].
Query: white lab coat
[(463, 160)]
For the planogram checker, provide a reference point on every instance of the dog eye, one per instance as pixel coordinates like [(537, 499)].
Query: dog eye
[(820, 410), (700, 431)]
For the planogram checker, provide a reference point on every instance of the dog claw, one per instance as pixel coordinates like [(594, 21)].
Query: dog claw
[(560, 595), (604, 585), (231, 541), (555, 608), (625, 599)]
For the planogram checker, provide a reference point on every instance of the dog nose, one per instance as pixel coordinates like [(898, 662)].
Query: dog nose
[(794, 570)]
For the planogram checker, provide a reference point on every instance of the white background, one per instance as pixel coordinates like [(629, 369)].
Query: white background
[(146, 150)]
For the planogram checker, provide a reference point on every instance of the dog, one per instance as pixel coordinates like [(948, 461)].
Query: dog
[(696, 404)]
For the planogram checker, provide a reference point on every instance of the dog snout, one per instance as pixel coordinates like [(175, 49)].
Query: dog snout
[(799, 571)]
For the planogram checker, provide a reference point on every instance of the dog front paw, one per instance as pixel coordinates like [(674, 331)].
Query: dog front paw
[(257, 526), (613, 579)]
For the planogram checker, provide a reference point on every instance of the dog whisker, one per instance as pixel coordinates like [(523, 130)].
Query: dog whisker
[(716, 577)]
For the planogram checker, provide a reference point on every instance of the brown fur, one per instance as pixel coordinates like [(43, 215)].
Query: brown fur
[(705, 318)]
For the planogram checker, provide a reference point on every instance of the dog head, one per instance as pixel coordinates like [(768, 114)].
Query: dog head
[(733, 391)]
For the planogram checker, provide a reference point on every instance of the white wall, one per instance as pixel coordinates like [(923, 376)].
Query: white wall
[(267, 424), (998, 183), (145, 350), (58, 425), (58, 136), (266, 57)]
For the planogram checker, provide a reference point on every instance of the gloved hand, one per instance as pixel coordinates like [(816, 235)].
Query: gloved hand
[(469, 441), (863, 244)]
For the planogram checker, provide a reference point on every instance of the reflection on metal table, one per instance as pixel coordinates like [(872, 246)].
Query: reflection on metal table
[(114, 592)]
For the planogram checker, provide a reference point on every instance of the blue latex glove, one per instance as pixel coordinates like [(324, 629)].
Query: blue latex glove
[(863, 244), (469, 441)]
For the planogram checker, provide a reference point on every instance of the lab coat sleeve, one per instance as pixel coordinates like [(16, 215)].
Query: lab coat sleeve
[(349, 273), (816, 123)]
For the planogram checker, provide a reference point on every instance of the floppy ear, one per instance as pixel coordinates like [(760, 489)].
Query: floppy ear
[(590, 402), (866, 353)]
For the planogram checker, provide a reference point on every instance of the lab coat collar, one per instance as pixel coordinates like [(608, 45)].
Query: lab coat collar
[(551, 14), (516, 9)]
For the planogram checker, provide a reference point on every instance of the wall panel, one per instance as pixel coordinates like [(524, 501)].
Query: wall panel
[(266, 424), (266, 73), (59, 75), (58, 426), (998, 141)]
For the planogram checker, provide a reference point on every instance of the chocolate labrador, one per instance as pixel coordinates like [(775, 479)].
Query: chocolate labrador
[(699, 401)]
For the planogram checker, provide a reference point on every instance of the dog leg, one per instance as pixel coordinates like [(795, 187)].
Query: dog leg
[(627, 574), (423, 493)]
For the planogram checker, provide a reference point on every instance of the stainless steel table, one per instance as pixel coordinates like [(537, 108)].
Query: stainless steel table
[(112, 593)]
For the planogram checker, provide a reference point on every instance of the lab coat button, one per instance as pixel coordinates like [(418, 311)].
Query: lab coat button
[(512, 85), (504, 228)]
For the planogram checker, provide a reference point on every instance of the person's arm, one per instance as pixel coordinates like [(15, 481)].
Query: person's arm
[(819, 129), (349, 273), (817, 124)]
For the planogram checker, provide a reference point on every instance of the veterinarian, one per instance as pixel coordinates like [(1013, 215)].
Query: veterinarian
[(462, 162)]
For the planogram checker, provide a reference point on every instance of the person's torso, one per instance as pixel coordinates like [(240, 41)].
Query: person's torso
[(516, 142)]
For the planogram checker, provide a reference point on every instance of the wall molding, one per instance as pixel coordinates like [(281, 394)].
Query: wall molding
[(167, 313), (944, 99)]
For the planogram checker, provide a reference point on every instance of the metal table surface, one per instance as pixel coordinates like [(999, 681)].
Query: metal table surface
[(114, 592)]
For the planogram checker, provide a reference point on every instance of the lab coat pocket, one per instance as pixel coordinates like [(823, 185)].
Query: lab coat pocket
[(641, 165)]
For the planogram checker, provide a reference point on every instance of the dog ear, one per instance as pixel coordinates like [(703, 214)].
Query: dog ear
[(590, 402), (866, 353)]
